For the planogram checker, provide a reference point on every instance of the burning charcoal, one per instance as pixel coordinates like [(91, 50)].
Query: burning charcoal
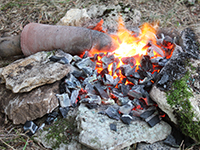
[(90, 80), (147, 78), (72, 82), (64, 111), (86, 63), (147, 113), (167, 41), (112, 113), (146, 63), (153, 121), (64, 100), (113, 127), (108, 59), (117, 92), (171, 141), (162, 62), (163, 79), (141, 72), (125, 69), (92, 99), (30, 128), (133, 80), (129, 60), (108, 79), (150, 52), (156, 60), (74, 97), (104, 71), (157, 50), (116, 81), (126, 109), (114, 67), (126, 119), (101, 91), (91, 106), (51, 117), (136, 91)]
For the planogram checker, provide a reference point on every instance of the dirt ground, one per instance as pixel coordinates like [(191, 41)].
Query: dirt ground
[(15, 14)]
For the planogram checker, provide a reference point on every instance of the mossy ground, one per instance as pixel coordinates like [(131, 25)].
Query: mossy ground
[(178, 98), (61, 131)]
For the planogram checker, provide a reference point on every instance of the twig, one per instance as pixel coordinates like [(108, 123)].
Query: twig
[(7, 144)]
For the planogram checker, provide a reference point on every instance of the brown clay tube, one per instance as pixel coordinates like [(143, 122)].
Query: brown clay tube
[(10, 46), (74, 40)]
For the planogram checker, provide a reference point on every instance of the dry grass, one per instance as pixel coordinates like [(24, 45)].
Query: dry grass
[(15, 14)]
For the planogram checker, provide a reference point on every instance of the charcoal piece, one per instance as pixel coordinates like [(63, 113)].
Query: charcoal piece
[(125, 89), (116, 81), (150, 52), (146, 63), (129, 60), (91, 106), (95, 57), (167, 41), (86, 54), (63, 88), (125, 69), (30, 128), (141, 72), (54, 58), (156, 60), (117, 92), (101, 91), (137, 91), (88, 71), (74, 97), (104, 71), (147, 113), (171, 141), (64, 111), (113, 127), (92, 99), (76, 58), (163, 79), (157, 50), (114, 67), (72, 82), (64, 100), (64, 60), (154, 121), (126, 119), (108, 79), (90, 80), (123, 80), (87, 62), (133, 80), (108, 59), (122, 100), (78, 73), (112, 113), (135, 94), (90, 89), (126, 109), (51, 117), (162, 62)]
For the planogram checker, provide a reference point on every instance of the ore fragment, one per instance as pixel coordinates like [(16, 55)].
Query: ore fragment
[(64, 111), (113, 127), (112, 113), (30, 128), (64, 100), (51, 117), (126, 119)]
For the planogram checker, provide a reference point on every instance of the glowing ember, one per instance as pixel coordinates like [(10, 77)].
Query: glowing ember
[(129, 45)]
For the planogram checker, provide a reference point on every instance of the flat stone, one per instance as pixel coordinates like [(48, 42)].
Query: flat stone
[(26, 74), (95, 131), (21, 107)]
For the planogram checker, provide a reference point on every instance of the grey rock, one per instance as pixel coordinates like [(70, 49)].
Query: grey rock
[(95, 131), (26, 74), (155, 146), (21, 107)]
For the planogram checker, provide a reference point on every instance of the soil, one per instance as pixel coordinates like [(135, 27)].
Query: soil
[(15, 14)]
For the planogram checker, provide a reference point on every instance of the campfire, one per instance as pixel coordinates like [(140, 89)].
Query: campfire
[(122, 77)]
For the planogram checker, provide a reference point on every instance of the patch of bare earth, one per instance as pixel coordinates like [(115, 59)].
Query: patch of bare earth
[(15, 14)]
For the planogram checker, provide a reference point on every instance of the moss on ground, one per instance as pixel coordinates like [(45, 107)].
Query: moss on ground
[(61, 131), (178, 98)]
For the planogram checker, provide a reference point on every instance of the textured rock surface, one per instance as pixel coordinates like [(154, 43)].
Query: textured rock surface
[(74, 17), (26, 74), (155, 146), (21, 107), (95, 131)]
